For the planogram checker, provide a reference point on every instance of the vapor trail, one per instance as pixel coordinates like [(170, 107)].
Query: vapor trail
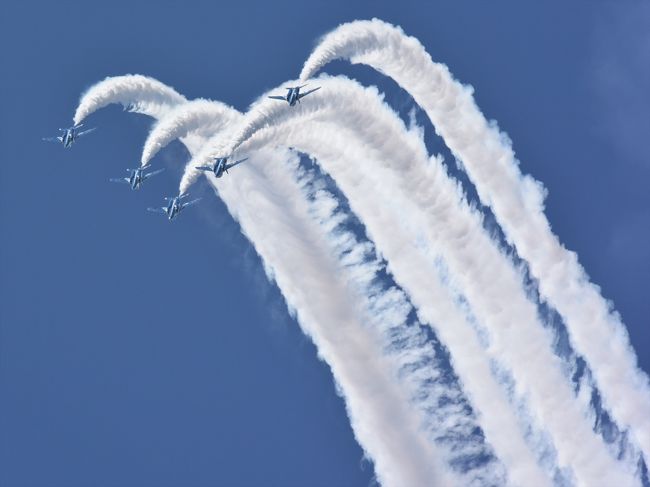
[(198, 118), (223, 145), (138, 93), (595, 329), (415, 273), (447, 418), (444, 414), (268, 205), (432, 201)]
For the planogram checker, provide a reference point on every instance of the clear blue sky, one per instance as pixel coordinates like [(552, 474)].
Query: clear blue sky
[(138, 353)]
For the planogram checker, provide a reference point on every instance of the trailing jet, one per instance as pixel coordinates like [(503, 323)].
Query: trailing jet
[(137, 177), (221, 166), (293, 95), (174, 206), (69, 135)]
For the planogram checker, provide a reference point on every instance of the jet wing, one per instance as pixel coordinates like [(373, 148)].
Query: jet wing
[(189, 203), (204, 168), (152, 173), (86, 131), (53, 139), (302, 95), (157, 210), (119, 180), (278, 97), (237, 163)]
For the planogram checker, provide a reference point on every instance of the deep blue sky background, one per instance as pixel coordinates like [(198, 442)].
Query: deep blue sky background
[(135, 352)]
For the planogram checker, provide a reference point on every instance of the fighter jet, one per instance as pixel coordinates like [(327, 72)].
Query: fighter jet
[(174, 206), (293, 95), (221, 166), (69, 135), (137, 176)]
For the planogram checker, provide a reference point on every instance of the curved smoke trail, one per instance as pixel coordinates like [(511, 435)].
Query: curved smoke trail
[(197, 117), (302, 267), (411, 208), (595, 330), (579, 437), (429, 400), (414, 272), (489, 281), (138, 93), (411, 347), (220, 145)]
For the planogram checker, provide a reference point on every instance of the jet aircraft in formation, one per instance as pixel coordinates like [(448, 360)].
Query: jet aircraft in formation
[(174, 206), (221, 166), (137, 176), (69, 135), (293, 95)]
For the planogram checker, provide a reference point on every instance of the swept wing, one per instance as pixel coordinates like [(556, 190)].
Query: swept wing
[(302, 95), (152, 173)]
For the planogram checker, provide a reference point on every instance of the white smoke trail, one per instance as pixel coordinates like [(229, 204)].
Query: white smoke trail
[(182, 123), (488, 278), (469, 361), (199, 117), (446, 418), (595, 330), (415, 273), (267, 206), (138, 93), (222, 145)]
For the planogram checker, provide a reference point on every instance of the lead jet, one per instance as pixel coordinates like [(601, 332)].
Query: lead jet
[(293, 95), (137, 176), (69, 135), (221, 166), (174, 206)]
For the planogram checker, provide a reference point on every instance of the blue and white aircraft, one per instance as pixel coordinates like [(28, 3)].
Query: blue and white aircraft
[(69, 135), (293, 95), (137, 176), (221, 166), (174, 206)]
